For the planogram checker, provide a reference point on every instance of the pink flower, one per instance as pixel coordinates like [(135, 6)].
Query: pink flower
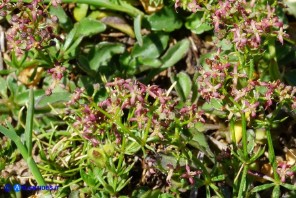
[(190, 174)]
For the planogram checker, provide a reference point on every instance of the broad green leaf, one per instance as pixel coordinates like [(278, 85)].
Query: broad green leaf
[(172, 160), (89, 27), (12, 85), (22, 98), (200, 142), (166, 20), (197, 23), (83, 28), (183, 86), (102, 53), (171, 57), (64, 21), (80, 11), (153, 46), (149, 62), (56, 97), (175, 53)]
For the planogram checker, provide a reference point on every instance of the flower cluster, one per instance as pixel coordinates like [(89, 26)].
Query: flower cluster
[(30, 27), (211, 81), (247, 28), (57, 73), (221, 82), (141, 107), (192, 6)]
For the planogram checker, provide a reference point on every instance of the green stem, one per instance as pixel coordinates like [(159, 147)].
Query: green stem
[(271, 155), (121, 157), (23, 150)]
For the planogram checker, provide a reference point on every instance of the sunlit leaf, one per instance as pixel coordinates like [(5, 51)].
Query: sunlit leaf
[(80, 11)]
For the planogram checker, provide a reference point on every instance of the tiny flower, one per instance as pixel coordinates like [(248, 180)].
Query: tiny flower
[(190, 174)]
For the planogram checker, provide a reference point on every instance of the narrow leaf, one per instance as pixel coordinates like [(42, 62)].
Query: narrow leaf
[(29, 122)]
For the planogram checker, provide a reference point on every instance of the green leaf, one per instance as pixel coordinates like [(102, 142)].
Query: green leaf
[(148, 63), (122, 184), (83, 28), (183, 86), (64, 21), (214, 106), (153, 46), (70, 38), (175, 53), (197, 23), (3, 88), (101, 54), (289, 186), (171, 57), (137, 29), (225, 44), (12, 86), (80, 11), (218, 178), (132, 148), (166, 20), (274, 70), (200, 142), (194, 88), (29, 122), (276, 192), (151, 194), (291, 7), (56, 97), (22, 98), (87, 178), (89, 27)]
